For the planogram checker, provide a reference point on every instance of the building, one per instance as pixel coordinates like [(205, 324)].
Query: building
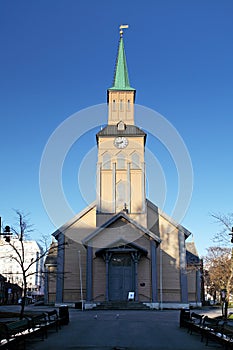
[(11, 269), (50, 272), (2, 289), (123, 246)]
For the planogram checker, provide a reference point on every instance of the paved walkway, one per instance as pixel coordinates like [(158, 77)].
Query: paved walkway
[(120, 330)]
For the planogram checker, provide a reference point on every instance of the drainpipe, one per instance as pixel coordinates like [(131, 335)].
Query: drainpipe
[(161, 279)]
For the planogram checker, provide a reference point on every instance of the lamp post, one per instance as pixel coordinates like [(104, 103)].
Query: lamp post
[(227, 299)]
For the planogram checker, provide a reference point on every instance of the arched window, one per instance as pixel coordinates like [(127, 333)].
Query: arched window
[(128, 105), (135, 161), (120, 195), (114, 105), (121, 105), (121, 161), (106, 161)]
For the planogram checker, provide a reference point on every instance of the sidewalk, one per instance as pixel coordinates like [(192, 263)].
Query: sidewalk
[(131, 330)]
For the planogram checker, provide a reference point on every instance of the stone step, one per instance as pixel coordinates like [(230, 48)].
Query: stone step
[(121, 305)]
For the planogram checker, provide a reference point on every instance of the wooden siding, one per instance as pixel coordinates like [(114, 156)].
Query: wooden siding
[(99, 279), (72, 281)]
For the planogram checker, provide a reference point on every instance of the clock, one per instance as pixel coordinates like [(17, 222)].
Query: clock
[(121, 142)]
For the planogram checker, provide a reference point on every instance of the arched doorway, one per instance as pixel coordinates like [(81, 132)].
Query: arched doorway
[(121, 276)]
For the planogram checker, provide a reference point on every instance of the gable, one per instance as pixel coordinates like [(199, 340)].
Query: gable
[(158, 219), (118, 227), (80, 226)]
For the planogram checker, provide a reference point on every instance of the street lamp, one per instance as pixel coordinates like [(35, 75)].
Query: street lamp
[(6, 232), (226, 299), (231, 234)]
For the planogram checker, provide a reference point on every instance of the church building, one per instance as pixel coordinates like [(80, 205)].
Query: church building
[(122, 247)]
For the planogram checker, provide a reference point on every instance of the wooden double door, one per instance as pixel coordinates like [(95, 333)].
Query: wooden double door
[(121, 276)]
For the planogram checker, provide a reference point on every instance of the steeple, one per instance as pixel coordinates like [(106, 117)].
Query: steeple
[(121, 95), (121, 76)]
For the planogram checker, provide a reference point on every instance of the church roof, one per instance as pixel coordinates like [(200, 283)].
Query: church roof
[(112, 130), (192, 257), (121, 76), (77, 217), (181, 228), (114, 219)]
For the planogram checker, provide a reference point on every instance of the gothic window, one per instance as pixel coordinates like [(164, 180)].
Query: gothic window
[(120, 195), (135, 161), (106, 161), (128, 105), (121, 105), (120, 161), (114, 105)]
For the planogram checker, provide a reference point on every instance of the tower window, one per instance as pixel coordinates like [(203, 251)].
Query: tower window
[(114, 105), (121, 126), (120, 161), (121, 105), (128, 105), (120, 195), (106, 161), (135, 161)]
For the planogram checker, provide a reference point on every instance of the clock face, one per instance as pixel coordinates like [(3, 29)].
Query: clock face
[(121, 142)]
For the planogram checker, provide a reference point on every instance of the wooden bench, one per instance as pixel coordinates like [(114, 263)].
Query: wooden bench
[(195, 323), (210, 326), (38, 323), (42, 322), (12, 333), (222, 334), (53, 319)]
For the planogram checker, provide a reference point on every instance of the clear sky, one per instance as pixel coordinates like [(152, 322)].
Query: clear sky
[(58, 57)]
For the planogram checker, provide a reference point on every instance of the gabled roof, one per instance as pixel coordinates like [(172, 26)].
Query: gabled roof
[(121, 77), (74, 219), (181, 228), (192, 257), (114, 219), (129, 130)]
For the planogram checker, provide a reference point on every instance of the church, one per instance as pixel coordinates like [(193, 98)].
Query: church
[(122, 248)]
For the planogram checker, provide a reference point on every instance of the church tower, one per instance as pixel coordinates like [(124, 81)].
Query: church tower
[(121, 167)]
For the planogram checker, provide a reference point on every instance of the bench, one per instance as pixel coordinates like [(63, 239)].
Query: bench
[(222, 334), (17, 331), (38, 323), (53, 319), (42, 322), (209, 327), (12, 333), (195, 323)]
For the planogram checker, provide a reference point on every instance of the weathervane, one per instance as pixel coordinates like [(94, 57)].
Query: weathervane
[(123, 26)]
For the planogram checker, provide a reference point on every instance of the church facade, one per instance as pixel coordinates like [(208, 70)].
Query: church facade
[(123, 246)]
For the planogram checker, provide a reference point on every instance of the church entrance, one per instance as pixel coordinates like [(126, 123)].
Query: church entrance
[(121, 277)]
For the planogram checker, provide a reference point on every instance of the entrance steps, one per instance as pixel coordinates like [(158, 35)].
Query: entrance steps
[(121, 305)]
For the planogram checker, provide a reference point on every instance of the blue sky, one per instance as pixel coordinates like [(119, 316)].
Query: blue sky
[(57, 57)]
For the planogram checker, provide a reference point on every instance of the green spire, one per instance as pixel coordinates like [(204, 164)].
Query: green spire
[(121, 77)]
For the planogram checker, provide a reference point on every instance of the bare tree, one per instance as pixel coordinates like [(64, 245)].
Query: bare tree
[(219, 260), (20, 234), (225, 221), (218, 269)]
